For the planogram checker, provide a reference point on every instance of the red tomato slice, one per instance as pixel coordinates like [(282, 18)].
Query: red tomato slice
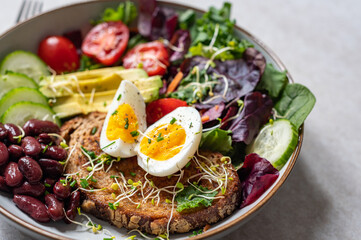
[(59, 53), (161, 107), (152, 56), (106, 42)]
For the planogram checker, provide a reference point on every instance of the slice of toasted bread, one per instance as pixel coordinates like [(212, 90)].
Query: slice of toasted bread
[(134, 212)]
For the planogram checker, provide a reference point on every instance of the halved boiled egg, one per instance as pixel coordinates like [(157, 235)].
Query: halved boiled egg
[(125, 120), (169, 144)]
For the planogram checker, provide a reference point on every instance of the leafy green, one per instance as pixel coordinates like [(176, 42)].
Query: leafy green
[(205, 29), (273, 81), (135, 40), (195, 232), (87, 63), (126, 12), (187, 19), (194, 87), (217, 140), (188, 199), (296, 103)]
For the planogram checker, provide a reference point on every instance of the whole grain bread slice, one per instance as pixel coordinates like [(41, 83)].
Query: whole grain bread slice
[(134, 213)]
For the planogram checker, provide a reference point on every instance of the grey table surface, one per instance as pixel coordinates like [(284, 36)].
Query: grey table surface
[(319, 42)]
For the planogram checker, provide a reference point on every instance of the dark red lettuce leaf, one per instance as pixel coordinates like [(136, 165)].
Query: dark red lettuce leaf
[(256, 175), (231, 111), (156, 22), (181, 39), (256, 112), (146, 9), (164, 23)]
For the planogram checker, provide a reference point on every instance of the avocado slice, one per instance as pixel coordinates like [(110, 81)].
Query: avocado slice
[(85, 82)]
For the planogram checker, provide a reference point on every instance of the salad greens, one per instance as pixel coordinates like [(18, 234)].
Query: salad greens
[(272, 81), (191, 197), (125, 12), (213, 32), (211, 140), (295, 104)]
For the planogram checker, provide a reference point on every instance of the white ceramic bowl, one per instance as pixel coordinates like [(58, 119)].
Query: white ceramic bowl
[(26, 36)]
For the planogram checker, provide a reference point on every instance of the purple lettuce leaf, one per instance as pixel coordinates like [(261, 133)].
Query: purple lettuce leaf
[(181, 39), (256, 175), (214, 112), (156, 22), (256, 112), (146, 9), (164, 23)]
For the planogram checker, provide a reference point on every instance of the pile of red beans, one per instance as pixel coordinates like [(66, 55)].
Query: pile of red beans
[(30, 169)]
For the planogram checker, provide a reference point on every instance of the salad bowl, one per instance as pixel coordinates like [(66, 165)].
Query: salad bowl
[(28, 34)]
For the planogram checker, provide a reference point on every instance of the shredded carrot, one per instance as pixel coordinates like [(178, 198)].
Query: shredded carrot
[(205, 118), (216, 107), (175, 82)]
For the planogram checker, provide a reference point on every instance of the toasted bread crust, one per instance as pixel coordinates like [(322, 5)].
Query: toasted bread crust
[(147, 217)]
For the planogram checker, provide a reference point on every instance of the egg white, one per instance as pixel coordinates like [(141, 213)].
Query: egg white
[(129, 95), (190, 119)]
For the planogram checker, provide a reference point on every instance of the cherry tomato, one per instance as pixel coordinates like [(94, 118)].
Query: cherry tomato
[(59, 53), (161, 107), (152, 57), (106, 42)]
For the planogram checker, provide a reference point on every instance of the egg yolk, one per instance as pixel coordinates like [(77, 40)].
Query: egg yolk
[(123, 124), (163, 142)]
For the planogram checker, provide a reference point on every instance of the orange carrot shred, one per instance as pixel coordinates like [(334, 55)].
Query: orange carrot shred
[(205, 118), (175, 82)]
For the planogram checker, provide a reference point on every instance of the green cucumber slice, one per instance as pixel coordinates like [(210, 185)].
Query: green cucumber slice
[(22, 94), (275, 142), (15, 80), (21, 112), (24, 62)]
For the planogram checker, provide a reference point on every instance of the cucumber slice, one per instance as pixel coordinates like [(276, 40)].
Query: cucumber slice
[(275, 142), (15, 80), (21, 112), (21, 94), (24, 62)]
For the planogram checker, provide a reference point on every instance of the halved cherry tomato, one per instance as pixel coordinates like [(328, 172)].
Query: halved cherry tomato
[(161, 107), (152, 57), (59, 53), (106, 42)]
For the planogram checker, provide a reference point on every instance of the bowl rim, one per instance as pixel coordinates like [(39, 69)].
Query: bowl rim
[(211, 232)]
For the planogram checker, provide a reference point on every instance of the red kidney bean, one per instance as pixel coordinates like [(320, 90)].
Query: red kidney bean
[(55, 207), (49, 184), (55, 152), (30, 169), (12, 174), (31, 147), (72, 205), (13, 131), (3, 186), (34, 127), (44, 138), (3, 132), (51, 168), (4, 154), (15, 152), (34, 190), (32, 206), (61, 191)]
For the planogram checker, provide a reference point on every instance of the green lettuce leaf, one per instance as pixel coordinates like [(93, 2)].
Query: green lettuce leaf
[(217, 140), (126, 12), (187, 198), (273, 81), (295, 104)]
